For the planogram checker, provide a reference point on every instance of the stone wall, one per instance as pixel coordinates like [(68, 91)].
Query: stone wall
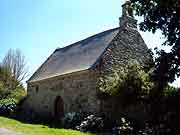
[(127, 45), (78, 91)]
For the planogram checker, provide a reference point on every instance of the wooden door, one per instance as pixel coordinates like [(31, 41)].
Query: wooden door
[(58, 108)]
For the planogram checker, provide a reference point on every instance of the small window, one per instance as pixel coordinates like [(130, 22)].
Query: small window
[(37, 89)]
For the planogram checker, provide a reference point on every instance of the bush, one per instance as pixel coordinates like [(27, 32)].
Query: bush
[(10, 99), (91, 123), (7, 106), (99, 124), (156, 130), (86, 122), (124, 127), (71, 120), (17, 94)]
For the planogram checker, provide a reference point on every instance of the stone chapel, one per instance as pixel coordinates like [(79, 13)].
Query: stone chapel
[(68, 80)]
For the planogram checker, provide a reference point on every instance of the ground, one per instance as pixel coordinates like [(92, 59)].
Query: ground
[(15, 127), (4, 131)]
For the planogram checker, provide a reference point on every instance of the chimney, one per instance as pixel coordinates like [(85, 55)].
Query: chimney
[(127, 19)]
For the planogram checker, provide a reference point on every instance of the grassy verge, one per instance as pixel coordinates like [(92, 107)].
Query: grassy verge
[(31, 129)]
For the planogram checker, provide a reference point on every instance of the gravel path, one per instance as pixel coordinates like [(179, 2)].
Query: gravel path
[(4, 131)]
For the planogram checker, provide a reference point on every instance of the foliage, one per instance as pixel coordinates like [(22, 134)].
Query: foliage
[(170, 90), (91, 123), (87, 122), (171, 111), (11, 74), (17, 94), (4, 93), (7, 106), (130, 81), (4, 72), (71, 120), (8, 81), (1, 87), (164, 16), (155, 130), (123, 127), (9, 99), (5, 78)]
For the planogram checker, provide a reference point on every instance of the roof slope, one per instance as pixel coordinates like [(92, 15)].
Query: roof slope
[(76, 57)]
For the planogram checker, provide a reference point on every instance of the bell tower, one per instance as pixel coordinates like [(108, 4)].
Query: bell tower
[(127, 19)]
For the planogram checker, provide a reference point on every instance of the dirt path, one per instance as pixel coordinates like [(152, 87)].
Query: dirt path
[(4, 131)]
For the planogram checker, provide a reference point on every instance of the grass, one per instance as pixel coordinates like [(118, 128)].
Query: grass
[(33, 129)]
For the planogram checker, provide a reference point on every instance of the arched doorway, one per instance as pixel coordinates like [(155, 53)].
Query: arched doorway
[(58, 108)]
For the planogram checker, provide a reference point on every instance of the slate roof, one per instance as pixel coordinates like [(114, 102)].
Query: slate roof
[(76, 57)]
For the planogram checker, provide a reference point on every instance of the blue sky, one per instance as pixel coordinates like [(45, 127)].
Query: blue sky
[(38, 27)]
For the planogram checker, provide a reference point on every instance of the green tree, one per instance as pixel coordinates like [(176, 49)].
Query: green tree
[(5, 79), (12, 72), (163, 15), (130, 82)]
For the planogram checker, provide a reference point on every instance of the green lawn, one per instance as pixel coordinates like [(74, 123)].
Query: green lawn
[(31, 129)]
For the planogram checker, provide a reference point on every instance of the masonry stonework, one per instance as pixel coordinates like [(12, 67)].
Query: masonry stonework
[(78, 91), (73, 72), (126, 46)]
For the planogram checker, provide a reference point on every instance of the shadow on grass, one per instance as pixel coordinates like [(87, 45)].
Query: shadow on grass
[(35, 120)]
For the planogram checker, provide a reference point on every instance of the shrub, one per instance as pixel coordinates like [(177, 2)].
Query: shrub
[(86, 122), (71, 120), (124, 127), (7, 106), (156, 130), (17, 94), (91, 123)]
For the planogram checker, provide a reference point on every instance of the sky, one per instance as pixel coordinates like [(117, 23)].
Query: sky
[(38, 27)]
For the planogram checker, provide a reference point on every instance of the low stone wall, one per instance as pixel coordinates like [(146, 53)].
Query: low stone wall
[(114, 109)]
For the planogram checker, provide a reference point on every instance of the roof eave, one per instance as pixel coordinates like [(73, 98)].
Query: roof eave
[(61, 75)]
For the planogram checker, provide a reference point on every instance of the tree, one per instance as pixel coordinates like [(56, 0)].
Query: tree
[(14, 61), (5, 77), (5, 81), (162, 15), (130, 83)]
